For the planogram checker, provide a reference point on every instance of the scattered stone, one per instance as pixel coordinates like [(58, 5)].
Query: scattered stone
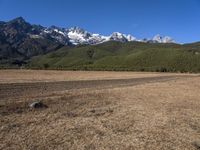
[(71, 114), (197, 144), (37, 104), (93, 111)]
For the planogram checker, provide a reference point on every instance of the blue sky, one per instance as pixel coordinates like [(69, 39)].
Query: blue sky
[(179, 19)]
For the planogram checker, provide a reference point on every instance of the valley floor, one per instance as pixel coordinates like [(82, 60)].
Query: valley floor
[(99, 110)]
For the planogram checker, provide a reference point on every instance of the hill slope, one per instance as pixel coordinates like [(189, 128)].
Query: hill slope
[(134, 56), (20, 40)]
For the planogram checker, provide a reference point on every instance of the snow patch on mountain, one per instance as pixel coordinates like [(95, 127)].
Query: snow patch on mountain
[(76, 36), (162, 39)]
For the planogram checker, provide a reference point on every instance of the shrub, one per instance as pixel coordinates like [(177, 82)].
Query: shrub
[(46, 66)]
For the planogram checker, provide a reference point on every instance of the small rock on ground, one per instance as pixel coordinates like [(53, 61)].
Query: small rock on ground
[(37, 104)]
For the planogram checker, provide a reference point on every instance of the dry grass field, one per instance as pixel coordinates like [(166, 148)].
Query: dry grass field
[(99, 110), (21, 76)]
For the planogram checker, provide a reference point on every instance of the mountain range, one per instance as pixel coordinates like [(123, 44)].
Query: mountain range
[(77, 36), (67, 36), (35, 46)]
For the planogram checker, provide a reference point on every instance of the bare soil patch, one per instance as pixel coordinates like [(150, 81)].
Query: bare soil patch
[(154, 112)]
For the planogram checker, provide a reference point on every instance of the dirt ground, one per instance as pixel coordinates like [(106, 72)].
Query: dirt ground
[(99, 110), (21, 76)]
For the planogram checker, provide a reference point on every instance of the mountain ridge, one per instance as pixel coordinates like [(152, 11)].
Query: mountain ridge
[(76, 35), (33, 46)]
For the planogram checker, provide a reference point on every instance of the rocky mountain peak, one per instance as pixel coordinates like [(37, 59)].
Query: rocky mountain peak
[(77, 30), (18, 20), (19, 28), (162, 39)]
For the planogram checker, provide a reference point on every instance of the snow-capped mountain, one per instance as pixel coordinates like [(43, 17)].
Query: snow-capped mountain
[(56, 33), (68, 36), (159, 39), (76, 36), (80, 36), (20, 40), (116, 36)]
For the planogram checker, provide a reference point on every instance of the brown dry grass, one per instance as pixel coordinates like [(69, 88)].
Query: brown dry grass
[(158, 115), (21, 76)]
